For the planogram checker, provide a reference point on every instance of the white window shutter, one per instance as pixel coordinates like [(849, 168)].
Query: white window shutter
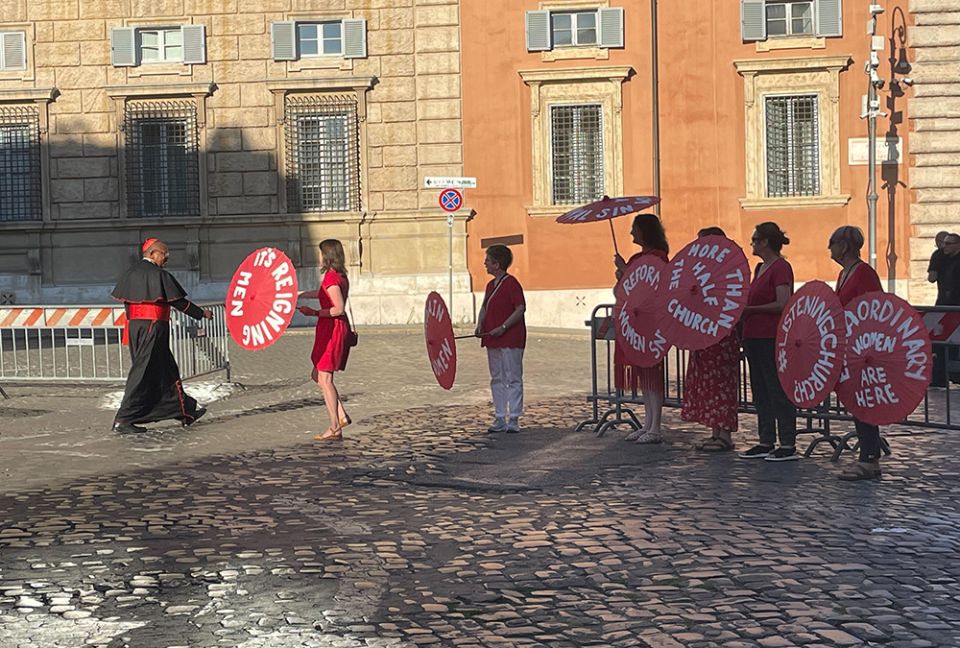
[(611, 27), (284, 36), (193, 38), (829, 14), (354, 38), (753, 20), (14, 50), (123, 45), (538, 31)]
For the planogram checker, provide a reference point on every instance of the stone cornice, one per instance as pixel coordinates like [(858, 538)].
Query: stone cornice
[(797, 64), (595, 73), (355, 83), (42, 95), (204, 89)]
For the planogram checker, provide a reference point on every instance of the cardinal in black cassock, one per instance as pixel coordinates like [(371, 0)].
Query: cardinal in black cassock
[(153, 391)]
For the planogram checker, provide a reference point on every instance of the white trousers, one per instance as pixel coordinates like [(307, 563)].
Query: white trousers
[(506, 381)]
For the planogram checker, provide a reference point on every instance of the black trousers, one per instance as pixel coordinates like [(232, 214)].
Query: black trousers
[(776, 415), (869, 438)]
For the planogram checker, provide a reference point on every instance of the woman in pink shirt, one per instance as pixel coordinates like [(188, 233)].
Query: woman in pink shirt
[(771, 288)]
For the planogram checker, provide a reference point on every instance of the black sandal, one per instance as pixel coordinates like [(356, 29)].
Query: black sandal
[(717, 444)]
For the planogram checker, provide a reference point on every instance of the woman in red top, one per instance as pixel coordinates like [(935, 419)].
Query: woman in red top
[(331, 344), (771, 288), (503, 332), (857, 278), (647, 232), (710, 386)]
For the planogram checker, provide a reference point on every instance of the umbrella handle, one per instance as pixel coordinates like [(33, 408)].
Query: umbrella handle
[(614, 235), (461, 337)]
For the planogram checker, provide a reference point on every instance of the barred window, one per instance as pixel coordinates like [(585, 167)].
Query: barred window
[(322, 151), (20, 164), (577, 153), (163, 176), (793, 146)]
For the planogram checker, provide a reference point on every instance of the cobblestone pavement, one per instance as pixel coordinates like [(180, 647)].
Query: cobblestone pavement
[(420, 530)]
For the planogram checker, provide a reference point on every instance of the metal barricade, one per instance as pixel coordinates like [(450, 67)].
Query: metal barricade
[(84, 344), (935, 412)]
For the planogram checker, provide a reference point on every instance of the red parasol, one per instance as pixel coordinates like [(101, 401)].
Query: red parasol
[(607, 209), (441, 345), (261, 299), (706, 292), (811, 338), (888, 360), (636, 318)]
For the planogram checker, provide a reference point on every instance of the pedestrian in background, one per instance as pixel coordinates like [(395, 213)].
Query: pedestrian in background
[(153, 391), (711, 383), (947, 273), (331, 344), (648, 233), (856, 278), (771, 288), (503, 332)]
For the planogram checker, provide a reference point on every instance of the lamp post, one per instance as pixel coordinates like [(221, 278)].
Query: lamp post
[(871, 112)]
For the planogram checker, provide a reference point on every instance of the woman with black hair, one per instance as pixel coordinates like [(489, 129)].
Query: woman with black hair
[(771, 289)]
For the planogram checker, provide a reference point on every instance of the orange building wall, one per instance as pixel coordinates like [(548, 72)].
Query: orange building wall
[(702, 141)]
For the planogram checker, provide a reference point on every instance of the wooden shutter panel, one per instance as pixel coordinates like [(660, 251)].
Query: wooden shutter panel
[(354, 39), (123, 45), (14, 50), (193, 38), (829, 15), (753, 20), (611, 27), (284, 36), (537, 25)]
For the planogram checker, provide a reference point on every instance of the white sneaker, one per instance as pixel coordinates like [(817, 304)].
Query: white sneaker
[(498, 425), (513, 425)]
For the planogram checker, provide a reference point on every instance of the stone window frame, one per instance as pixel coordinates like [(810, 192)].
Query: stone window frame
[(596, 52), (318, 63), (199, 93), (152, 23), (41, 99), (318, 86), (29, 37), (596, 85), (818, 76)]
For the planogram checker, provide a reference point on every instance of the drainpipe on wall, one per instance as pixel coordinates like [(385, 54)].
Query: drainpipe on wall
[(655, 94)]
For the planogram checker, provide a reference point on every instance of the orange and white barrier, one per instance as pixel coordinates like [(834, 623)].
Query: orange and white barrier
[(62, 317)]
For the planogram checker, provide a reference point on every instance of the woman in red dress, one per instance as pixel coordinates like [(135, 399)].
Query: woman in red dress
[(647, 232), (710, 386), (857, 278), (331, 344)]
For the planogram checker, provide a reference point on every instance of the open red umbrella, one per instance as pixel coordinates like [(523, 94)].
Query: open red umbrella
[(888, 360), (607, 209), (705, 290), (811, 338), (441, 345), (261, 299), (636, 318)]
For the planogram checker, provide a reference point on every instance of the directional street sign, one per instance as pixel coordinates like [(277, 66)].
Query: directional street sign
[(450, 200), (439, 182)]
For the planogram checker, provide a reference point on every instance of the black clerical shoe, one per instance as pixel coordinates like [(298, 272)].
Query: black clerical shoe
[(127, 428), (196, 416)]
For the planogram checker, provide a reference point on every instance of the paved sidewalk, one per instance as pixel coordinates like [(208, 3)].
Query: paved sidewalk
[(419, 529)]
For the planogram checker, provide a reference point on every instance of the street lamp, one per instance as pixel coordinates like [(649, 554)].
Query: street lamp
[(871, 111)]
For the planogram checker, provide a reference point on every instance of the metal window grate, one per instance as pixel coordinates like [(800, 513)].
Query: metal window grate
[(793, 146), (577, 153), (163, 177), (20, 188), (323, 167)]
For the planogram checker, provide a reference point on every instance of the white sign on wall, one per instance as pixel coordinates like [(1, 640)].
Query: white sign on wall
[(888, 150)]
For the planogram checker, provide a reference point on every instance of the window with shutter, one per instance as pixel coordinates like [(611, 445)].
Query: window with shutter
[(194, 44), (792, 18), (13, 50), (829, 15), (753, 22), (284, 40), (123, 46), (355, 38), (537, 27), (611, 27)]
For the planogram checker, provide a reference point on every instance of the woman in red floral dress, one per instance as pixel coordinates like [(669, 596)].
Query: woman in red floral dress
[(711, 385), (331, 344)]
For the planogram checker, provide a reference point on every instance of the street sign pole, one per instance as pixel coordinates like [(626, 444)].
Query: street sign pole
[(451, 201)]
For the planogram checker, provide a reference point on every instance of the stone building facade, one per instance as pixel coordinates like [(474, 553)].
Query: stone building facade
[(935, 143), (222, 126)]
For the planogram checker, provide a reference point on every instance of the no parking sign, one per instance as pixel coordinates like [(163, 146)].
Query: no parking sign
[(450, 200)]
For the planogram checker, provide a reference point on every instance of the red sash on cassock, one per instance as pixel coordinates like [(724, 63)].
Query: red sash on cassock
[(150, 311)]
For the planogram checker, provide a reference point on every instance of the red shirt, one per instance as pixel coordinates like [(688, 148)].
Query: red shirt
[(500, 303), (861, 280), (763, 290)]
